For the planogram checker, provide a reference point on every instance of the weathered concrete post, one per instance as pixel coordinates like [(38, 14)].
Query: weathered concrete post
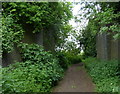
[(9, 58), (103, 46), (49, 39), (115, 49), (39, 38), (107, 47)]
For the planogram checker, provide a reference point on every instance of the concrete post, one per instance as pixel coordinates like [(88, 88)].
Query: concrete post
[(39, 38), (103, 46)]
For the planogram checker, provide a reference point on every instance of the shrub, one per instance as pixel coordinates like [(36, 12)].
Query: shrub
[(104, 74), (63, 61), (73, 58), (11, 33), (67, 58), (38, 72)]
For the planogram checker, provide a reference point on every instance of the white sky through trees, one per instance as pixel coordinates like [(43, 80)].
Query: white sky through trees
[(77, 26)]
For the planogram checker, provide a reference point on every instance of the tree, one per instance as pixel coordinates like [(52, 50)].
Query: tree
[(106, 15), (102, 17), (41, 16)]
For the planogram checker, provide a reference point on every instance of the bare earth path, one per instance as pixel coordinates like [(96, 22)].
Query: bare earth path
[(76, 79)]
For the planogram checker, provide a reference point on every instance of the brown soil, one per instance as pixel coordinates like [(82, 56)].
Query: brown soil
[(76, 79)]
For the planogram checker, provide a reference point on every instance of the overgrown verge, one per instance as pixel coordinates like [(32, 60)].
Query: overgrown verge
[(38, 72), (105, 74), (73, 58), (68, 58)]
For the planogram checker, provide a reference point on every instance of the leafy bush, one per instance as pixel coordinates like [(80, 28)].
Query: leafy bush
[(104, 73), (11, 33), (67, 58), (63, 61), (38, 72), (73, 58)]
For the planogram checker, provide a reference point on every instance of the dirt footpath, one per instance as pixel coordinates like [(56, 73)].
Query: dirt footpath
[(76, 79)]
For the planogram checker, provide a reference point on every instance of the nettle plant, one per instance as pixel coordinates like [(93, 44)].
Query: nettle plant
[(38, 72)]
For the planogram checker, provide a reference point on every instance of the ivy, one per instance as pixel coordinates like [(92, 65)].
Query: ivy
[(11, 33), (42, 16)]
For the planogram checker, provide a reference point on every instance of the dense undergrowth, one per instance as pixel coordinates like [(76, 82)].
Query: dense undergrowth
[(105, 74), (38, 72), (68, 58)]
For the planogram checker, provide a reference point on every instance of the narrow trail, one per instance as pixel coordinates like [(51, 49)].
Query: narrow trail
[(76, 79)]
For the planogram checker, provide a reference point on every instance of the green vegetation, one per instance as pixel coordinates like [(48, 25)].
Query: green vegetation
[(38, 72), (41, 17), (68, 58), (104, 16), (63, 61), (88, 40), (105, 74), (73, 58), (11, 33), (41, 69)]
